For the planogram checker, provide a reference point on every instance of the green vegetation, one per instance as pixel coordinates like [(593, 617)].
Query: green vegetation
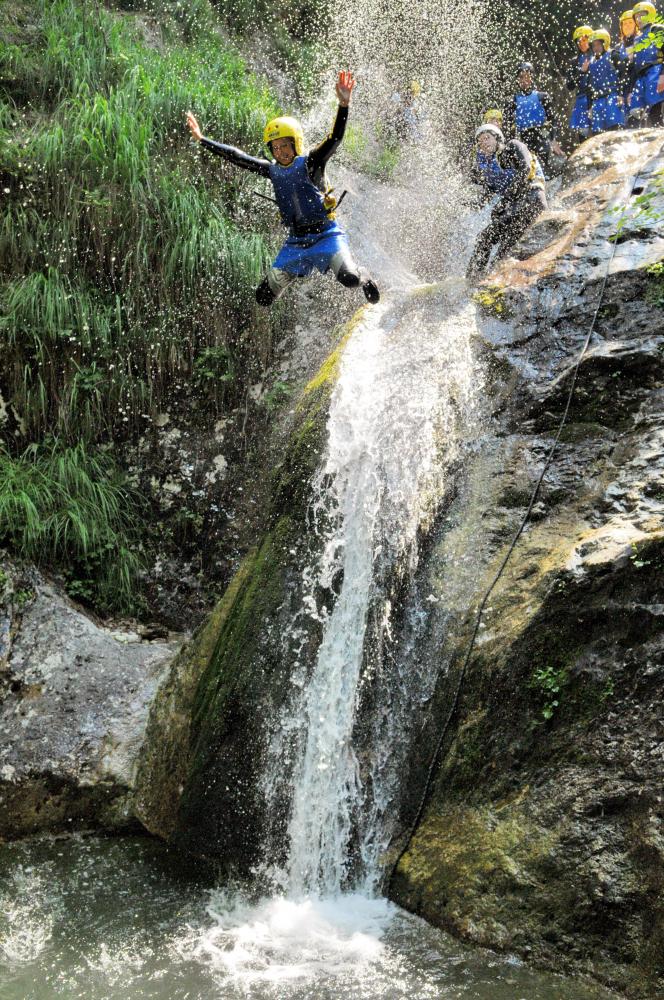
[(136, 268), (377, 156), (63, 505), (655, 289), (128, 259), (549, 683)]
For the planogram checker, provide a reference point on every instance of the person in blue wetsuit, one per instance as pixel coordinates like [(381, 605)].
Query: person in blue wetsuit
[(315, 239), (647, 66), (519, 204), (605, 84), (486, 172), (624, 52), (577, 79), (529, 116)]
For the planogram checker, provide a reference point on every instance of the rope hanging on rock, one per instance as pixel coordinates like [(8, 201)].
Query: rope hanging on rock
[(455, 701)]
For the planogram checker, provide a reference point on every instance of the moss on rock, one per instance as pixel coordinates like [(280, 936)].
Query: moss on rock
[(209, 726)]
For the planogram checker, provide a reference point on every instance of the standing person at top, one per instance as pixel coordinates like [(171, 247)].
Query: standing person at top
[(647, 65), (624, 51), (315, 240), (522, 200), (606, 83), (577, 79), (529, 116)]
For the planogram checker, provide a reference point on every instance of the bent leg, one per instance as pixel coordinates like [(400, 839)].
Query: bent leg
[(345, 269), (516, 224), (349, 275), (273, 285)]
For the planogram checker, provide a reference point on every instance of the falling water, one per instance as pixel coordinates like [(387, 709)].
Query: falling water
[(402, 407)]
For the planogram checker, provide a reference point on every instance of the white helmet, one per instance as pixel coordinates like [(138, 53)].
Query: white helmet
[(492, 130)]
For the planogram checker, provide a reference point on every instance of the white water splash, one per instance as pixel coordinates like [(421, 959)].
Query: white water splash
[(283, 941), (26, 921)]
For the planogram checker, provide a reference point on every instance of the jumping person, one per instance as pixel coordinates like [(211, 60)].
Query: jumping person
[(605, 84), (520, 203), (304, 200), (530, 117), (647, 66), (577, 79)]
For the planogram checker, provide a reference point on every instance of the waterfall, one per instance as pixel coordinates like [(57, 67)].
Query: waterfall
[(403, 408)]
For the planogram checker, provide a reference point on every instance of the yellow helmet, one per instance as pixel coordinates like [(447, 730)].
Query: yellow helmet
[(415, 88), (584, 31), (648, 12), (285, 128), (493, 116), (602, 35), (627, 15)]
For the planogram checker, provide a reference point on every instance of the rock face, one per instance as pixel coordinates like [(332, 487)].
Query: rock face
[(74, 700), (543, 831), (208, 729)]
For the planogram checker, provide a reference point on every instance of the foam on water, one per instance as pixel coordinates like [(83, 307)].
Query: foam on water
[(282, 940)]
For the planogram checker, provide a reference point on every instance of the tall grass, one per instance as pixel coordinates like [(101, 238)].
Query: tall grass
[(120, 256), (67, 507)]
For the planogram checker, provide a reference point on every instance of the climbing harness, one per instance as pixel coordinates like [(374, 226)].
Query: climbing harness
[(337, 202), (455, 701)]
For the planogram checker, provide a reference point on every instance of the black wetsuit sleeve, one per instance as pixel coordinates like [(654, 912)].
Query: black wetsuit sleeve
[(237, 157), (621, 65), (572, 76), (318, 157)]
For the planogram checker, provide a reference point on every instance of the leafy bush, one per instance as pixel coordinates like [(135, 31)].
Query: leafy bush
[(67, 507)]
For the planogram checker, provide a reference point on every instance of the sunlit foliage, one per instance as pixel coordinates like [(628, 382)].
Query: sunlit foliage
[(120, 256), (65, 505)]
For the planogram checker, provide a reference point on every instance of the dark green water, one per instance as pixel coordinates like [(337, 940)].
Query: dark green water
[(104, 919)]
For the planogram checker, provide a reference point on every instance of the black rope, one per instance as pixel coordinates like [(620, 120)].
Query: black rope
[(455, 702), (265, 197)]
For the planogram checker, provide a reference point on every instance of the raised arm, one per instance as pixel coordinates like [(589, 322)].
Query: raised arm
[(237, 157), (319, 156)]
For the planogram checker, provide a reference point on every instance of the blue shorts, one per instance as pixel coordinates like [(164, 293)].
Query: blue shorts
[(644, 94), (580, 117), (300, 255), (607, 112)]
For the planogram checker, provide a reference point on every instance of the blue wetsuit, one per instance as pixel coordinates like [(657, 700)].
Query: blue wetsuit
[(577, 80), (529, 116), (647, 67), (490, 175), (314, 238), (605, 93)]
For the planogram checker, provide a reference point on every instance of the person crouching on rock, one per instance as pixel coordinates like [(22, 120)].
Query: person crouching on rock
[(315, 240), (520, 203)]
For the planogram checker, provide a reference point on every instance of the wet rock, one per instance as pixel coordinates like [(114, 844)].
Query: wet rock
[(543, 830), (74, 703)]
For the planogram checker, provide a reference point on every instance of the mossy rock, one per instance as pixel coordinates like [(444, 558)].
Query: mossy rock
[(491, 301), (210, 725)]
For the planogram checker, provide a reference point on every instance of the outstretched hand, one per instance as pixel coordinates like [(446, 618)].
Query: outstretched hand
[(344, 88), (194, 126)]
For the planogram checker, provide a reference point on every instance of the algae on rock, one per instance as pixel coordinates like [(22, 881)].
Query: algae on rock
[(213, 714)]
